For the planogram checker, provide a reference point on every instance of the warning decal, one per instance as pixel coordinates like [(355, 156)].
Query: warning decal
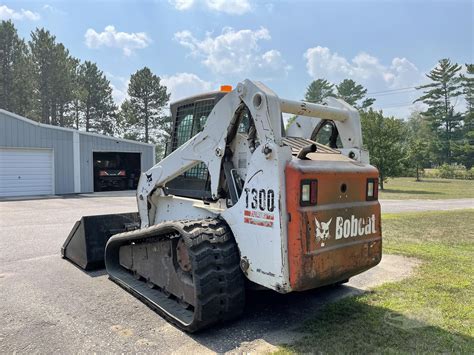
[(258, 218)]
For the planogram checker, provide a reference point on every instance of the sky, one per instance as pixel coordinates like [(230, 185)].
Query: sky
[(198, 45)]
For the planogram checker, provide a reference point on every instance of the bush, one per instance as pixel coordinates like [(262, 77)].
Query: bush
[(452, 171), (447, 171)]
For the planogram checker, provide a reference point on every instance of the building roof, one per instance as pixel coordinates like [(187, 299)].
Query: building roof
[(21, 118)]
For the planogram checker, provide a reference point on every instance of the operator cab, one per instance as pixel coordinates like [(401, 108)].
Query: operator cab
[(188, 118)]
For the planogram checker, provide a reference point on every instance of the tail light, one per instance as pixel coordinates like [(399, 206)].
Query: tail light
[(121, 173), (309, 192), (372, 193), (103, 173)]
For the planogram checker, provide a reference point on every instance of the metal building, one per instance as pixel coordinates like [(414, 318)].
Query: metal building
[(40, 159)]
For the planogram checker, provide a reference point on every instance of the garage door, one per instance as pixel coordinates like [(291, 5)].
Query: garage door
[(26, 172)]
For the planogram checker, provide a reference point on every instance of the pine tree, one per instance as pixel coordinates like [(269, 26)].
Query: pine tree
[(54, 77), (16, 88), (143, 111), (42, 45), (464, 148), (468, 86), (63, 86), (318, 90), (75, 112), (439, 96), (352, 93), (98, 112)]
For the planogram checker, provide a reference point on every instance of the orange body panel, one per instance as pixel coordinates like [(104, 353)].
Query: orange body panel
[(341, 235)]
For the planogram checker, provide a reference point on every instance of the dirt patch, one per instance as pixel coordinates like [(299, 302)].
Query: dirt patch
[(392, 268)]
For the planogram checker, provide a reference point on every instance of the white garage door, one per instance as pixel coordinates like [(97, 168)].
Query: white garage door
[(26, 172)]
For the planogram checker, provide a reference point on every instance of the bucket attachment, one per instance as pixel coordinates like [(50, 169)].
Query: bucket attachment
[(85, 245)]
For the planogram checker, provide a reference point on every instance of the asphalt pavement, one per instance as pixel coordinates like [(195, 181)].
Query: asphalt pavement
[(49, 305)]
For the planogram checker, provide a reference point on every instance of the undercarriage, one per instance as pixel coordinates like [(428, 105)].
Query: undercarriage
[(187, 271)]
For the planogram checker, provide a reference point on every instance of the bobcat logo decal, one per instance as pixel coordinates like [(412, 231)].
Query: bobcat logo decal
[(322, 229), (149, 177)]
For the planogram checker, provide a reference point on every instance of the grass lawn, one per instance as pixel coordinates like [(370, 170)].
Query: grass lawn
[(431, 311), (408, 188)]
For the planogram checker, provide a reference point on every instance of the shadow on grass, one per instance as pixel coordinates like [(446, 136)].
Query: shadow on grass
[(436, 181), (357, 327), (314, 321), (410, 192)]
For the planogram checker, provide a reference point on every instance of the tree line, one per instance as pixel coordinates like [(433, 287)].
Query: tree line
[(437, 136), (41, 80)]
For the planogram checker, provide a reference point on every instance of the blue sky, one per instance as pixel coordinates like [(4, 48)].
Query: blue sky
[(196, 45)]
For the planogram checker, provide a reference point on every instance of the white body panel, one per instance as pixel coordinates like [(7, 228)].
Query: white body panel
[(258, 219), (187, 207), (26, 172)]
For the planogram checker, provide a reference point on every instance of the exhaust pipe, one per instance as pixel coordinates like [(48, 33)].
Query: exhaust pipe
[(311, 148)]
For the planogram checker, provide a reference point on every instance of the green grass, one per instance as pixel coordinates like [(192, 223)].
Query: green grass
[(408, 188), (431, 311)]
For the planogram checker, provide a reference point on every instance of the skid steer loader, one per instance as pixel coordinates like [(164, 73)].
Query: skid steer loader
[(238, 202)]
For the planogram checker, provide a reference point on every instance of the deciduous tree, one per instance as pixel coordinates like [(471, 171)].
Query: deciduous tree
[(384, 137)]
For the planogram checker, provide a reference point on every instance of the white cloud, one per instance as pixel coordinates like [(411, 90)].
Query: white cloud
[(119, 86), (6, 14), (231, 7), (321, 62), (235, 52), (367, 70), (127, 42), (270, 7), (182, 85), (53, 9), (182, 4)]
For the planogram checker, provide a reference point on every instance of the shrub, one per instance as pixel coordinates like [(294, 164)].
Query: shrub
[(452, 171)]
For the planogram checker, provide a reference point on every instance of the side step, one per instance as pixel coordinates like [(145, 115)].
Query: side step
[(85, 245)]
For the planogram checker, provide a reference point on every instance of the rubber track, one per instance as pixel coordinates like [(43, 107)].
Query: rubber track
[(218, 281)]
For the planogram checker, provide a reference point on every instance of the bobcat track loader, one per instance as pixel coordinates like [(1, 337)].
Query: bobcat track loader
[(238, 202)]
